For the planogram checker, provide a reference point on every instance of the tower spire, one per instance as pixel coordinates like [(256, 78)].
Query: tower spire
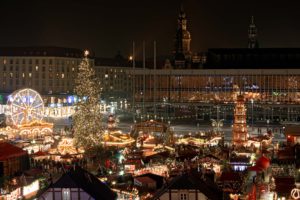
[(252, 35), (182, 51)]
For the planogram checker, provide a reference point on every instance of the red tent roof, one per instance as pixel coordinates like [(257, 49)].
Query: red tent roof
[(263, 162), (230, 176), (8, 150), (255, 168), (40, 153)]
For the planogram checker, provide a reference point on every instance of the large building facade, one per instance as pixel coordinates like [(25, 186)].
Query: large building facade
[(49, 70), (189, 86), (52, 72)]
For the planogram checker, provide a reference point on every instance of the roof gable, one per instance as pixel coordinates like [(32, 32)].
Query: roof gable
[(8, 150), (79, 178)]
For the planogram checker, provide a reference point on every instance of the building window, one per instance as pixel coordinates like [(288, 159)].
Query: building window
[(37, 62), (43, 61), (30, 68), (50, 69), (4, 68), (36, 68), (11, 74), (23, 61), (4, 61), (43, 68), (50, 62), (62, 75), (29, 75), (183, 196), (30, 61), (23, 75), (11, 61)]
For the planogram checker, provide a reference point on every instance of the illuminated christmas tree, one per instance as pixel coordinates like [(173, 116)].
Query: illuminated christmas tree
[(239, 131), (88, 128)]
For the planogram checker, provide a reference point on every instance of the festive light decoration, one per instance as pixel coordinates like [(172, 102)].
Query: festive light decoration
[(87, 118), (25, 106), (117, 139), (295, 193), (239, 131)]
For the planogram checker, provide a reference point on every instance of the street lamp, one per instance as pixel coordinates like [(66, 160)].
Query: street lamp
[(252, 101)]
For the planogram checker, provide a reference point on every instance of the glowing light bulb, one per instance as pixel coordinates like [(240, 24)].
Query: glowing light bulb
[(86, 53)]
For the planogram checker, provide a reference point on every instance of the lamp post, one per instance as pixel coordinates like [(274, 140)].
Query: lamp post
[(252, 101)]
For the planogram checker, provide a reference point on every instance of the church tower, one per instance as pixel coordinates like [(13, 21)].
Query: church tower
[(182, 51), (252, 35)]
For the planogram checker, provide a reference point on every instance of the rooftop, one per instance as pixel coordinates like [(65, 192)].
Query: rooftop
[(8, 150), (79, 178)]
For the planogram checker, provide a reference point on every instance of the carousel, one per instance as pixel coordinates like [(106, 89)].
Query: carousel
[(25, 116), (151, 133), (65, 150), (113, 137), (204, 139)]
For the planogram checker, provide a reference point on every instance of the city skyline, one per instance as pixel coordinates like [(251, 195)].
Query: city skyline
[(106, 28)]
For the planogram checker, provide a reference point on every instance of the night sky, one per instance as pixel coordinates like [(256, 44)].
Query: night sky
[(111, 25)]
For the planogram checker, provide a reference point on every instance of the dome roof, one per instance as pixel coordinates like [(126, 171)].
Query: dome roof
[(263, 162), (186, 34)]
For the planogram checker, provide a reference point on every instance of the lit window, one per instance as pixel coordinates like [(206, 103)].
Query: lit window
[(36, 68), (4, 62), (66, 194), (62, 75), (106, 75), (23, 75), (29, 74), (73, 69), (11, 74), (183, 196)]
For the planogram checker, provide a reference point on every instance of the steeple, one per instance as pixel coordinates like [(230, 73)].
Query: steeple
[(182, 41), (252, 35)]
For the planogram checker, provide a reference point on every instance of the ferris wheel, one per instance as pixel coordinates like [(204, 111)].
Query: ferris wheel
[(25, 105)]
